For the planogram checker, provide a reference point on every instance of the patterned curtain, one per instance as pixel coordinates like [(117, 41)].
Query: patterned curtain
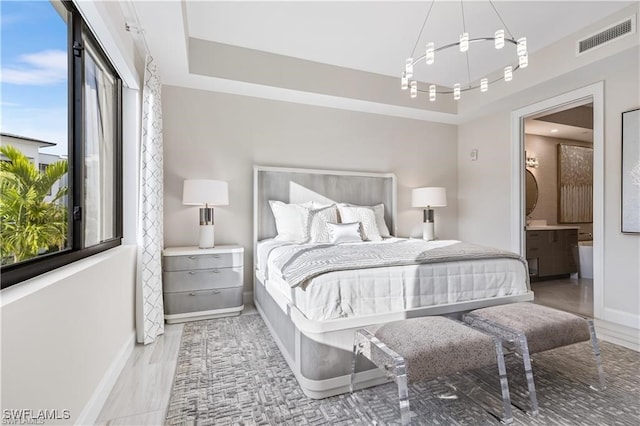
[(149, 309)]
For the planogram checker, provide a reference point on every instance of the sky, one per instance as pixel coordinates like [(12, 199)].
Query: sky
[(33, 72)]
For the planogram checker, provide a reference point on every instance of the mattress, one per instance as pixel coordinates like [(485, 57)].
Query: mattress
[(370, 291)]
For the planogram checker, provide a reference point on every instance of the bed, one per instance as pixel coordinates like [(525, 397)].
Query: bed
[(313, 296)]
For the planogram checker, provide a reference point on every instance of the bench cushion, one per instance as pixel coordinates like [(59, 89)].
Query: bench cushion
[(437, 346), (546, 328)]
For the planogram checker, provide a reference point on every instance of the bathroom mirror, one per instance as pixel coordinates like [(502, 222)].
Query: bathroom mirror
[(531, 192)]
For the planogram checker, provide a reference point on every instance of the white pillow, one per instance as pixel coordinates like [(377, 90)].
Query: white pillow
[(378, 211), (318, 221), (344, 232), (365, 216), (291, 221), (316, 205)]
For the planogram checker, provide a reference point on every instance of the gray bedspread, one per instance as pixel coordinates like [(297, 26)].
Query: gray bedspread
[(301, 263)]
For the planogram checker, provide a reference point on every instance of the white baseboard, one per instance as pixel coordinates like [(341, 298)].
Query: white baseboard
[(92, 409), (618, 334), (620, 317)]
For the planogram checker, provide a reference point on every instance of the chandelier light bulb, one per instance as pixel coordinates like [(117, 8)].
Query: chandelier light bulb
[(431, 53), (408, 70), (414, 89), (432, 92), (523, 61), (521, 50), (499, 39), (404, 81), (464, 42), (456, 91), (484, 85), (508, 73)]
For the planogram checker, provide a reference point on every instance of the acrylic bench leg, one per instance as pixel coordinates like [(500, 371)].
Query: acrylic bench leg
[(400, 371), (357, 346), (504, 383), (523, 347), (596, 353), (366, 344)]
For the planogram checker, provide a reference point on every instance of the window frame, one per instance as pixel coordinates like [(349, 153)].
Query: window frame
[(12, 274)]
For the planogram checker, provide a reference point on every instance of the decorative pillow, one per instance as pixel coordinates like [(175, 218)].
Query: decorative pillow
[(316, 205), (344, 232), (318, 221), (378, 211), (365, 216), (291, 221)]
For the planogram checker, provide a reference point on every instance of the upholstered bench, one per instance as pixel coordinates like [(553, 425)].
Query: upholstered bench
[(421, 349), (528, 328)]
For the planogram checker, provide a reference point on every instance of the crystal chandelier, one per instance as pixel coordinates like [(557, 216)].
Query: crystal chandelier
[(500, 39)]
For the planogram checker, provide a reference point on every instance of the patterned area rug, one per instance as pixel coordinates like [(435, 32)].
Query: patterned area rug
[(230, 372)]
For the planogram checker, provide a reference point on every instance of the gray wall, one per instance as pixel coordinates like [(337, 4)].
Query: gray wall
[(220, 136)]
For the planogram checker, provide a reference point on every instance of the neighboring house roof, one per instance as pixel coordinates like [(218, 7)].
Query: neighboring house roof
[(11, 135)]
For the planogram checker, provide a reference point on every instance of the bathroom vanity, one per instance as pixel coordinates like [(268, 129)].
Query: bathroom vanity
[(552, 250)]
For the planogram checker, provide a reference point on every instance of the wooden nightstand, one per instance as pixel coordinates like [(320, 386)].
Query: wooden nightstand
[(202, 283)]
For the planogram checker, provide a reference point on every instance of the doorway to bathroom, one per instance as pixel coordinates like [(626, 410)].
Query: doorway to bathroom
[(558, 146), (558, 194)]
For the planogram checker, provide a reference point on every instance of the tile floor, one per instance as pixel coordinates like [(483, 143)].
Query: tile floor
[(141, 394), (569, 294)]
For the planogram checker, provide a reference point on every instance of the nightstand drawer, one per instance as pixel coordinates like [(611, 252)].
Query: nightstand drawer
[(203, 300), (202, 279), (202, 261)]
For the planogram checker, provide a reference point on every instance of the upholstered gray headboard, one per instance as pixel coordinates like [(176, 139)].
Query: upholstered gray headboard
[(324, 186)]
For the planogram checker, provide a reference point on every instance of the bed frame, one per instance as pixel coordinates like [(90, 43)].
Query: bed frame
[(319, 352)]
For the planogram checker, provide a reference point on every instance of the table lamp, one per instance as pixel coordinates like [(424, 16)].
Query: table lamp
[(198, 192), (426, 198)]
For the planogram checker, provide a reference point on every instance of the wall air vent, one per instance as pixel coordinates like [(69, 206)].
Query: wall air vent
[(614, 32)]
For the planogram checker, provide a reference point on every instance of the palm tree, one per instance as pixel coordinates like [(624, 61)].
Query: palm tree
[(29, 223)]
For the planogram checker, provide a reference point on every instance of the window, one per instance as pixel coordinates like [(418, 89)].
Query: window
[(61, 183)]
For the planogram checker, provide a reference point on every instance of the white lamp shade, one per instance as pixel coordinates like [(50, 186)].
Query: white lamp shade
[(205, 191), (429, 197)]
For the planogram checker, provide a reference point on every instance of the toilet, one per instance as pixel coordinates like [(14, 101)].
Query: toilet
[(585, 255)]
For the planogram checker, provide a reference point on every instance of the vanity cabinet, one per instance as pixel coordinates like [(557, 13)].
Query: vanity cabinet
[(552, 252)]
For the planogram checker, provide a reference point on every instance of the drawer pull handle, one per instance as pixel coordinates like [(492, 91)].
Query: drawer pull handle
[(213, 271), (203, 293), (215, 256)]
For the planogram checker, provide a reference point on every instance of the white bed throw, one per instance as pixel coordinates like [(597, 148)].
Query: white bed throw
[(300, 263)]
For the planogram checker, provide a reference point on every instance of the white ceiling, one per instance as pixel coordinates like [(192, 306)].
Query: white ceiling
[(378, 36), (556, 130), (374, 37)]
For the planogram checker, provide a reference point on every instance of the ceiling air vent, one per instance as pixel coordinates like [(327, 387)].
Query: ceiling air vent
[(605, 36)]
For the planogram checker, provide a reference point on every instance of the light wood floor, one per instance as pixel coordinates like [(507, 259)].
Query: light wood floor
[(141, 394)]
